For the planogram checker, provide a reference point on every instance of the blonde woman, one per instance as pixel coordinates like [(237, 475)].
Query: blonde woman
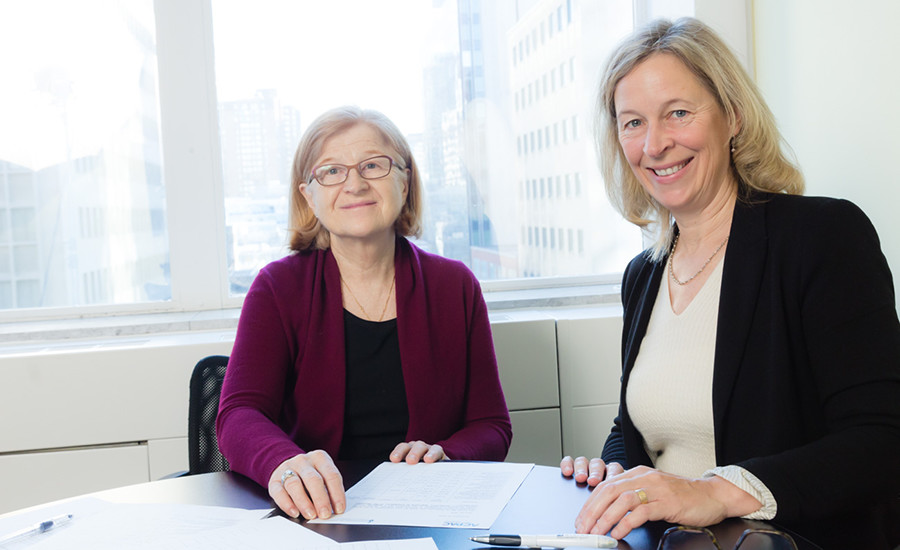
[(761, 346)]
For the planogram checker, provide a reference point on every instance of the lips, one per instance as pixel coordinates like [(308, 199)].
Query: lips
[(357, 205), (671, 170)]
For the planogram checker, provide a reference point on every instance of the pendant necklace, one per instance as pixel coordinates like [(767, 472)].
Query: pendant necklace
[(366, 313)]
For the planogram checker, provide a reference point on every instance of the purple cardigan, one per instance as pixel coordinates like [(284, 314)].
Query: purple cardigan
[(284, 389)]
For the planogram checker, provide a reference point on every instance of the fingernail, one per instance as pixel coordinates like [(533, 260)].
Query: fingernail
[(324, 513), (339, 508), (294, 513), (309, 513), (580, 472)]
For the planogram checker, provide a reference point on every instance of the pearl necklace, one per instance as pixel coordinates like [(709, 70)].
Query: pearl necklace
[(386, 301), (694, 276)]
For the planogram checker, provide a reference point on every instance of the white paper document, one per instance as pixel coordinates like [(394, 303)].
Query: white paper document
[(466, 495), (116, 526), (101, 525)]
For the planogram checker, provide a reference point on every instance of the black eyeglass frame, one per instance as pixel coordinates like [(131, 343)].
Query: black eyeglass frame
[(686, 529), (357, 167), (712, 537)]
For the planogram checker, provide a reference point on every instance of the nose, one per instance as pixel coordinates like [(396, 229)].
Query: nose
[(656, 141), (354, 182)]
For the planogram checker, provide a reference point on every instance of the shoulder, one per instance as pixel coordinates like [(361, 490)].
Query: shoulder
[(812, 234), (808, 213), (815, 225), (294, 270), (293, 263)]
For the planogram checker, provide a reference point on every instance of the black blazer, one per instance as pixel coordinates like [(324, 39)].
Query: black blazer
[(806, 384)]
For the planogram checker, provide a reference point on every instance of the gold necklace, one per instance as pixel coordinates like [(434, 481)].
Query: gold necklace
[(366, 313), (692, 277)]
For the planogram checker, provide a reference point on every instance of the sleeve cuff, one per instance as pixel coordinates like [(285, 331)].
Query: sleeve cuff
[(751, 484)]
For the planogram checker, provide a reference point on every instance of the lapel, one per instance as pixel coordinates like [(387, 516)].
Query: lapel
[(745, 262)]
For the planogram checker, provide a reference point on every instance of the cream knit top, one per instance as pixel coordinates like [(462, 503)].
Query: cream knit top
[(669, 394)]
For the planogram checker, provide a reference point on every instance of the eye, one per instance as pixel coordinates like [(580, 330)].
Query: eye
[(679, 113), (631, 124)]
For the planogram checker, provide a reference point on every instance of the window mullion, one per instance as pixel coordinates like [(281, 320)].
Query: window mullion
[(188, 113)]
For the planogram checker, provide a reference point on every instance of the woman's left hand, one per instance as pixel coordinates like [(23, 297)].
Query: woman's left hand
[(644, 494), (416, 451)]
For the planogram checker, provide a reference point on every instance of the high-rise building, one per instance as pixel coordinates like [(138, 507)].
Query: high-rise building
[(556, 51), (258, 138)]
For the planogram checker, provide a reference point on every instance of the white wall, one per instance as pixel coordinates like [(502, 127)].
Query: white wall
[(830, 71)]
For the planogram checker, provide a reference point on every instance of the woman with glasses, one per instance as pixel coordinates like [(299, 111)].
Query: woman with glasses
[(358, 345), (761, 346)]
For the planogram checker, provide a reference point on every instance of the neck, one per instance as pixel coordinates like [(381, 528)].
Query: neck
[(712, 223), (372, 261)]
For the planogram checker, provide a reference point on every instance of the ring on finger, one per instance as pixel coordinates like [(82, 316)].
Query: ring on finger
[(286, 475), (642, 495)]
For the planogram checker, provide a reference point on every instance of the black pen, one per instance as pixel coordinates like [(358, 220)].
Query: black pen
[(37, 528), (549, 541)]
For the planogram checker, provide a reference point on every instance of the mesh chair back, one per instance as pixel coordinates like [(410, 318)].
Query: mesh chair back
[(206, 386)]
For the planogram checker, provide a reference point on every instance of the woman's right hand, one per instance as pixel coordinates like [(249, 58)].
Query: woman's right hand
[(592, 472), (316, 489)]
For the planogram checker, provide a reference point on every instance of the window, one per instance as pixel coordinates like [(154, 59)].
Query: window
[(82, 201), (458, 159), (116, 196)]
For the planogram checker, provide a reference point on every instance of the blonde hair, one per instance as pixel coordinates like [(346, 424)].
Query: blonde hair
[(306, 232), (758, 161)]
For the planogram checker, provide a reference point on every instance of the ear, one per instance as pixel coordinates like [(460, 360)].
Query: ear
[(408, 173), (738, 123), (307, 194)]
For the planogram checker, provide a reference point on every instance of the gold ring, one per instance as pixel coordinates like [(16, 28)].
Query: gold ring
[(642, 495)]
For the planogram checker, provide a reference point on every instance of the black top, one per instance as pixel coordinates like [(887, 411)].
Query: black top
[(376, 416)]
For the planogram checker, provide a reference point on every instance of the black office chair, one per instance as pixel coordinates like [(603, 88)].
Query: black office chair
[(206, 386)]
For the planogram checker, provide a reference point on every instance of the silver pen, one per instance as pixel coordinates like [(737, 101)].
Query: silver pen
[(36, 529), (549, 541)]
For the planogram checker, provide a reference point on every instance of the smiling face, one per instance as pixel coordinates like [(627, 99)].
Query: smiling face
[(674, 135), (358, 208)]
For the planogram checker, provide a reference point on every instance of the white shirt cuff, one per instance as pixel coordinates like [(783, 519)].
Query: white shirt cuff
[(751, 484)]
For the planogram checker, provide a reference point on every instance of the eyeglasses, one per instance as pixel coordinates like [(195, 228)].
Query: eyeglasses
[(336, 174), (679, 537)]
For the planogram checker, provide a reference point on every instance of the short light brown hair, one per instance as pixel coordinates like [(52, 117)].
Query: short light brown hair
[(759, 160), (305, 231)]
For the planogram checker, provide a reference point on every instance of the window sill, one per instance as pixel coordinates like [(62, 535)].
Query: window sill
[(31, 336)]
